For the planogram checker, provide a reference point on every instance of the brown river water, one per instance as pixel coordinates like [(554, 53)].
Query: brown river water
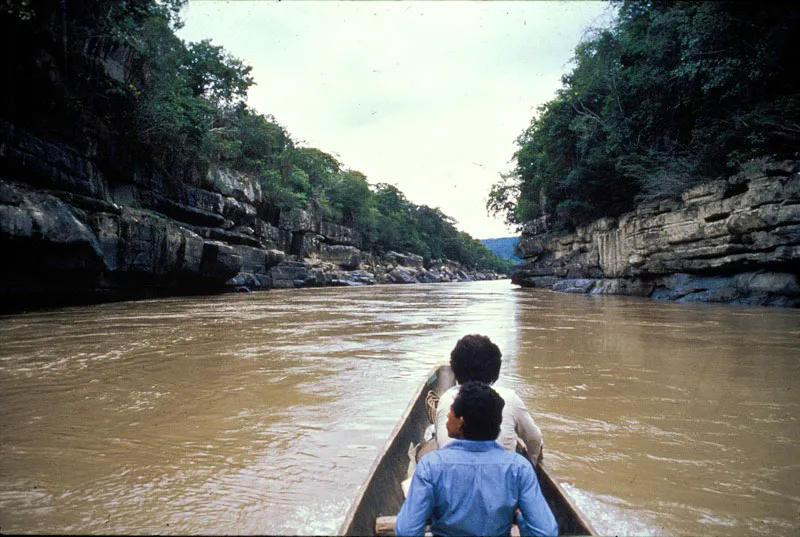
[(262, 413)]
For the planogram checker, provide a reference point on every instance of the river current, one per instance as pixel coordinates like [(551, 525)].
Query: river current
[(262, 412)]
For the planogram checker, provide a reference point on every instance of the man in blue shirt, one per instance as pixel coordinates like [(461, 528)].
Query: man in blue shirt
[(472, 486)]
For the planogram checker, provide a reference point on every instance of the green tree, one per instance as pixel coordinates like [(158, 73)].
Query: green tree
[(350, 194), (214, 75), (671, 94), (181, 106), (320, 166)]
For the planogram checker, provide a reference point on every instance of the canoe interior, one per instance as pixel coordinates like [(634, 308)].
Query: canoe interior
[(571, 520), (381, 495)]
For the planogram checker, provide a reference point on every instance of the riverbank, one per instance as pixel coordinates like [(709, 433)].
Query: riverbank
[(101, 199), (734, 240), (74, 233), (306, 277)]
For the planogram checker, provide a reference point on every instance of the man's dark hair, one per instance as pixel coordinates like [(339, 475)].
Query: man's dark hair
[(475, 357), (482, 410)]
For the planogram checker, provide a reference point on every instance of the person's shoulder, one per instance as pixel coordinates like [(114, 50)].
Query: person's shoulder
[(507, 394), (450, 393), (432, 459), (522, 464)]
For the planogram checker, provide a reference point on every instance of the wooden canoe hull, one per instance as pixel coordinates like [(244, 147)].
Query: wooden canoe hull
[(381, 493)]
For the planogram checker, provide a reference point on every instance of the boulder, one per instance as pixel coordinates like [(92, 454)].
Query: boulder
[(289, 274), (574, 285), (273, 257), (346, 257), (365, 278), (425, 276), (178, 211), (406, 260), (463, 276), (401, 275), (219, 261), (191, 253), (230, 237)]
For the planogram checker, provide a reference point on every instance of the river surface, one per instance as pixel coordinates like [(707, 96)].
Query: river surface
[(261, 413)]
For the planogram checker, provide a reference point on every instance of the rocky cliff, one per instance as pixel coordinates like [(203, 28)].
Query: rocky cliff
[(86, 214), (733, 240), (75, 226)]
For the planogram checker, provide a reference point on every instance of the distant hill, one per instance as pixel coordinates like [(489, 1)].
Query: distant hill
[(503, 248)]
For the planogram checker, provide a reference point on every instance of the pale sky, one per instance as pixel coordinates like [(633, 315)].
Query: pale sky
[(427, 96)]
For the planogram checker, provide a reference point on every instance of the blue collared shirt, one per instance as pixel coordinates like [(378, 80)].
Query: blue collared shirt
[(472, 487)]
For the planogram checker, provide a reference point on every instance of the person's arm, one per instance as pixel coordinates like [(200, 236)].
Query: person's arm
[(535, 516), (442, 409), (527, 430), (418, 507)]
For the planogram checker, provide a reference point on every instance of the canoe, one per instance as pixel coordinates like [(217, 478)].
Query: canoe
[(381, 494)]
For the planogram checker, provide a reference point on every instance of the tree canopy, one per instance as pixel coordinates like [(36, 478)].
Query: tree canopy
[(183, 106), (670, 95)]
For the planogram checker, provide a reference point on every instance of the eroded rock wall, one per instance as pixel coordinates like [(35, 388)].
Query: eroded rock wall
[(87, 214), (734, 240), (75, 227)]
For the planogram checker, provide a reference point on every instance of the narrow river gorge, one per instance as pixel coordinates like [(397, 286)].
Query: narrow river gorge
[(262, 412)]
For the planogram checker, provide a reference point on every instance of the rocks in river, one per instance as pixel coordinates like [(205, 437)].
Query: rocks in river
[(428, 276), (320, 272), (363, 278), (289, 274), (402, 275), (755, 288), (574, 286), (114, 247)]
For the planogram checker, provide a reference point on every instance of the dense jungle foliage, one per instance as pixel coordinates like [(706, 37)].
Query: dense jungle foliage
[(671, 95), (183, 106)]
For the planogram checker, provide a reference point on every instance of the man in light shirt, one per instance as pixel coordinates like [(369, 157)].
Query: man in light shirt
[(475, 357), (472, 486)]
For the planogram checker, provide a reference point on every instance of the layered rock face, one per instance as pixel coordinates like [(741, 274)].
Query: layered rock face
[(86, 215), (734, 240), (73, 230)]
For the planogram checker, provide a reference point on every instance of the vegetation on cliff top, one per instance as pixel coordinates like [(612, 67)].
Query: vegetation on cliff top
[(672, 94), (182, 106)]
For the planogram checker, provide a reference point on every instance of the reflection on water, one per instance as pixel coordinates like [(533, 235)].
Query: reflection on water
[(261, 413)]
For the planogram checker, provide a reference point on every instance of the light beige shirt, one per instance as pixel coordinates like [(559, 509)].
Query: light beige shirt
[(517, 422)]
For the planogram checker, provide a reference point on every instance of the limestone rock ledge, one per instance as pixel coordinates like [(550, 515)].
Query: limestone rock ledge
[(76, 226), (733, 240)]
